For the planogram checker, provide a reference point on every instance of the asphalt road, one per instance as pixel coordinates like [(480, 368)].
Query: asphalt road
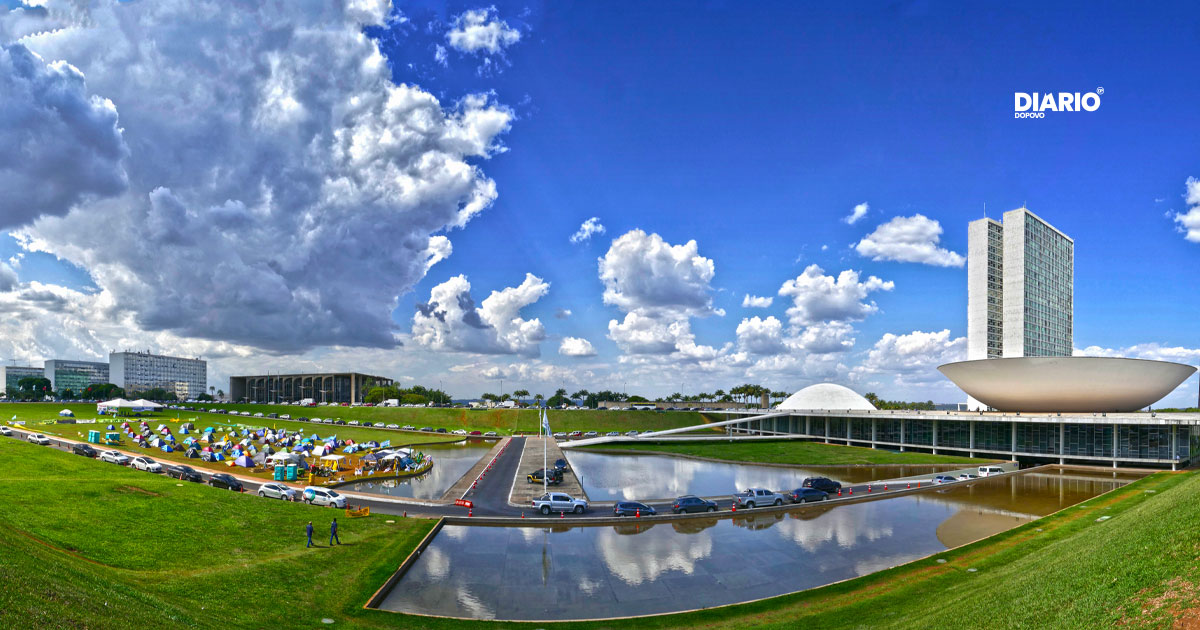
[(490, 498)]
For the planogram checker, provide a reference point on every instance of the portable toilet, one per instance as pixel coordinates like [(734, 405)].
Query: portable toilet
[(94, 437), (291, 472), (280, 472)]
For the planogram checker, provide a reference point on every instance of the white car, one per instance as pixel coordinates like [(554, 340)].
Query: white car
[(38, 438), (393, 426), (146, 464), (285, 416), (353, 423), (460, 432), (114, 457), (5, 431), (276, 491), (324, 496)]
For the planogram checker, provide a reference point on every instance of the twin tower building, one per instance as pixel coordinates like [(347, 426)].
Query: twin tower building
[(1020, 289)]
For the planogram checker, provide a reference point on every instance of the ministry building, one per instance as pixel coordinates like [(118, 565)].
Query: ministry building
[(74, 375), (141, 371)]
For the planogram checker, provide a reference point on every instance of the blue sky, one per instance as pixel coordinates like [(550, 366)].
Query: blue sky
[(755, 129)]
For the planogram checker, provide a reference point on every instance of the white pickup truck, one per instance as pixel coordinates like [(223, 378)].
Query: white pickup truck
[(754, 497), (559, 502)]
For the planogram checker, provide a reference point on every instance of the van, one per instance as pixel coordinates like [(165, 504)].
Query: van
[(988, 471)]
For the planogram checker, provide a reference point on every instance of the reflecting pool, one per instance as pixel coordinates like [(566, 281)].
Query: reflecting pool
[(575, 572), (608, 477), (450, 462)]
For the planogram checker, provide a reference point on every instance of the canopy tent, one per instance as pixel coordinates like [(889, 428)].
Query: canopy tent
[(67, 413), (144, 404), (118, 405), (370, 457)]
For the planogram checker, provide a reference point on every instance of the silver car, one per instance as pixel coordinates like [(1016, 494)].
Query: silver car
[(277, 491)]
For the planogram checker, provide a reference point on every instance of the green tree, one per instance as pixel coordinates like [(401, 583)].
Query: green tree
[(521, 394), (413, 399), (559, 399)]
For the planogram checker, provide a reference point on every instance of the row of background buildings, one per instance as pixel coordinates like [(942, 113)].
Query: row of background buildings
[(131, 371)]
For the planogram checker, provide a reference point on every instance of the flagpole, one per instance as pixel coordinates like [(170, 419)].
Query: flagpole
[(545, 440)]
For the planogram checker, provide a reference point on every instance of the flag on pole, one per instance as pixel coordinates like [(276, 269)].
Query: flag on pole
[(545, 423)]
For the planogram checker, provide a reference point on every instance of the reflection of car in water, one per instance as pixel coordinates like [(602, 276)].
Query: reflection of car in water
[(632, 529), (693, 525), (758, 521), (810, 512)]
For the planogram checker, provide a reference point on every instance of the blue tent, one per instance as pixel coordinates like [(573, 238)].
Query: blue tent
[(218, 456), (167, 448), (384, 444), (109, 427)]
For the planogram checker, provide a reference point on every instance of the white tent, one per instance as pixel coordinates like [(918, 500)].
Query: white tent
[(333, 458), (67, 413), (114, 405), (144, 404)]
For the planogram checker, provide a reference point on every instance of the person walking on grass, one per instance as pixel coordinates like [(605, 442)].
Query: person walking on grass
[(309, 529), (333, 533)]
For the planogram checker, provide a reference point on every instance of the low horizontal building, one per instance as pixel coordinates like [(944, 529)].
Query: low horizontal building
[(334, 387), (12, 374)]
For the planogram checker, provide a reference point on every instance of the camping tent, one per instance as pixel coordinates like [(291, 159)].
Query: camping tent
[(193, 453), (67, 413), (245, 461)]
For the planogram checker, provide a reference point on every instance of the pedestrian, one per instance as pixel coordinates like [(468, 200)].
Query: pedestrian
[(333, 533), (309, 529)]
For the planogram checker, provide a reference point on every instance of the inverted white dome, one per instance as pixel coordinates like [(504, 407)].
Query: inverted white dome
[(826, 396)]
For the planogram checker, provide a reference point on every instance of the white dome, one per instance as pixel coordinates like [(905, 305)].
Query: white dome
[(826, 396)]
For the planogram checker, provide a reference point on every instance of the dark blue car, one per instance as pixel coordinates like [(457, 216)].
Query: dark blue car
[(632, 508), (804, 495)]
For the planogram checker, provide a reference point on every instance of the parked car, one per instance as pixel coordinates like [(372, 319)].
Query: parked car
[(559, 502), (38, 438), (631, 433), (114, 457), (591, 434), (692, 503), (276, 491), (84, 449), (393, 426), (460, 432), (426, 429), (477, 433), (184, 473), (146, 464), (632, 508), (407, 427), (324, 496), (945, 479), (227, 481), (354, 423), (613, 434), (555, 478), (490, 434), (804, 495), (560, 435), (5, 431), (967, 477), (441, 430), (823, 484), (576, 434), (755, 497), (285, 416), (988, 471)]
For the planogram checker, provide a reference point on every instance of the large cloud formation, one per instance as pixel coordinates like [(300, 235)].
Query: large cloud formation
[(909, 239), (817, 297), (282, 190), (451, 321), (59, 145)]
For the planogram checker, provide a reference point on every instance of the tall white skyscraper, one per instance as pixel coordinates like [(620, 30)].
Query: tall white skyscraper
[(1020, 288)]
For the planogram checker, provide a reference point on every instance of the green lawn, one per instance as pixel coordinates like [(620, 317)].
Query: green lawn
[(789, 452), (108, 547), (505, 421)]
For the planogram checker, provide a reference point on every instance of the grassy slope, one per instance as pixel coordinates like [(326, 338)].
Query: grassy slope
[(791, 452), (502, 420), (152, 553), (115, 556)]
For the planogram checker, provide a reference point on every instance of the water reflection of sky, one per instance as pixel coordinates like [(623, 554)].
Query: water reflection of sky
[(450, 463), (565, 572), (608, 477)]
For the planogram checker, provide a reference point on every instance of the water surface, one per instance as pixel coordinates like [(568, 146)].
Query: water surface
[(574, 572), (608, 477)]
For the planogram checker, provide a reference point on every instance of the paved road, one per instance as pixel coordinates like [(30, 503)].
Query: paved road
[(490, 498)]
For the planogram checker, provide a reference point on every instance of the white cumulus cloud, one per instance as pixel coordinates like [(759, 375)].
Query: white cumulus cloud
[(755, 301), (642, 272), (587, 229), (857, 213), (576, 347), (450, 320), (281, 191), (59, 144), (912, 357), (909, 239), (817, 297), (1189, 222), (481, 30)]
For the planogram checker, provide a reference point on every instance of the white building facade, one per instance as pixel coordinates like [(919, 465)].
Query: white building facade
[(141, 371)]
